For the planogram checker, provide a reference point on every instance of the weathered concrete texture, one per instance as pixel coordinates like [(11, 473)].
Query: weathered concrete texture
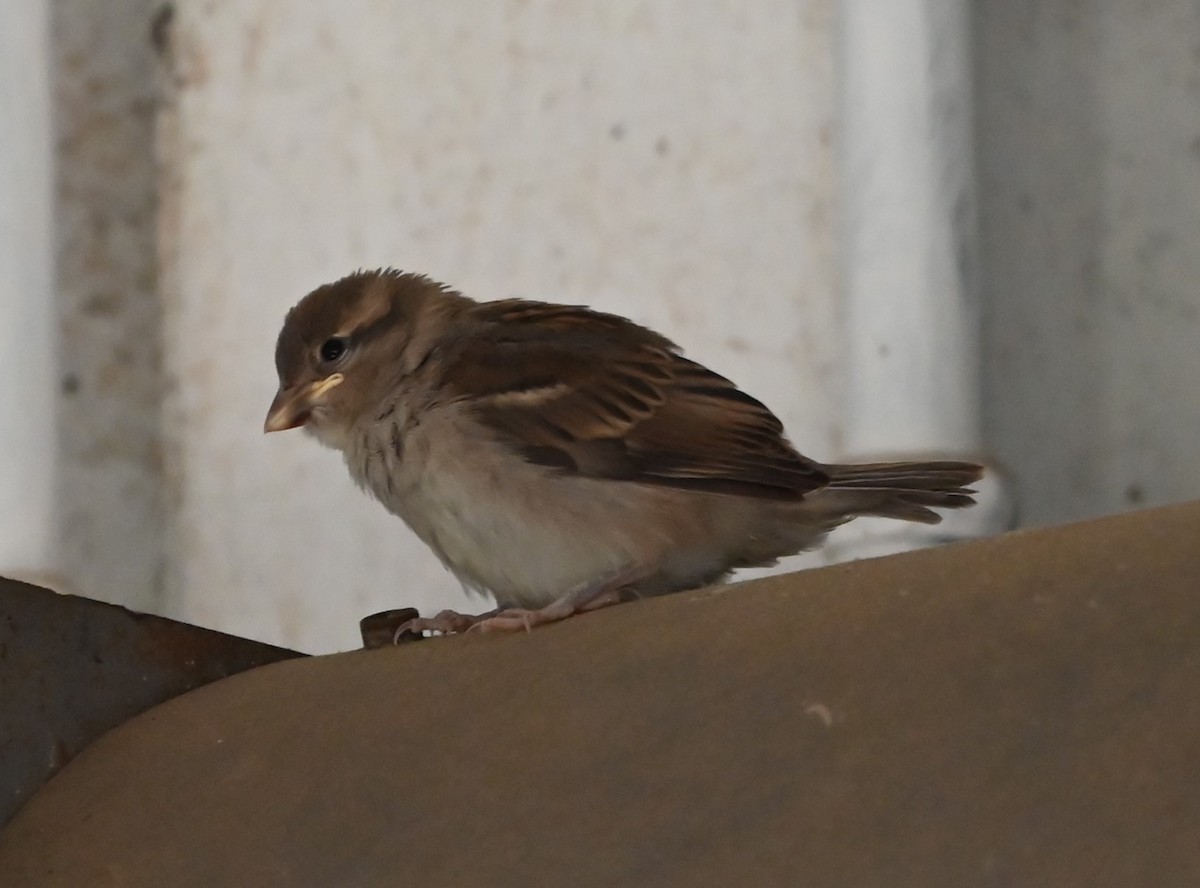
[(72, 668), (112, 511), (1089, 159), (1020, 711)]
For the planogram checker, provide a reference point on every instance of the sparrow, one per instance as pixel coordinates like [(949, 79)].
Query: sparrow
[(562, 458)]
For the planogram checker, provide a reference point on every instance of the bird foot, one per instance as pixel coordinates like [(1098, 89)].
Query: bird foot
[(447, 622), (513, 619)]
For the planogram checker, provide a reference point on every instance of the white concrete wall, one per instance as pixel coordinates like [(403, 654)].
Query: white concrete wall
[(672, 162), (28, 335)]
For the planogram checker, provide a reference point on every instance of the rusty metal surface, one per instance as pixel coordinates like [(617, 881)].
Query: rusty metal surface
[(382, 629), (72, 668), (1017, 712)]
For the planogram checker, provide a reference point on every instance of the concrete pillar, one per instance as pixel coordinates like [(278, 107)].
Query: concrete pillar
[(912, 304)]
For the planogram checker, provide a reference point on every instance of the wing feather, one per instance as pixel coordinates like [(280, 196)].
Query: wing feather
[(597, 395)]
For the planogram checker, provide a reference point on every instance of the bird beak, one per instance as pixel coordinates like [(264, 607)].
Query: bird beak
[(292, 406)]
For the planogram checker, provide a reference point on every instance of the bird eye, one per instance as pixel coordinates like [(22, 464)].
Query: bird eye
[(332, 349)]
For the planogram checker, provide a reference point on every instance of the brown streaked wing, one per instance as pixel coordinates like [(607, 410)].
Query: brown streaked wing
[(597, 395)]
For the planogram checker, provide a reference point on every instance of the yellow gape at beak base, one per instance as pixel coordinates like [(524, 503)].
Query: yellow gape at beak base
[(320, 388)]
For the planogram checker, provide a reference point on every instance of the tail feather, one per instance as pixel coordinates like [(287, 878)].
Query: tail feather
[(905, 490)]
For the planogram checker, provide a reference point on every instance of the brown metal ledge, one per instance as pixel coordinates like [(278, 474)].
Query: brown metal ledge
[(72, 668), (1023, 711)]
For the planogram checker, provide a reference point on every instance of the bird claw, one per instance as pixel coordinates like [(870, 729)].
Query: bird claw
[(447, 622)]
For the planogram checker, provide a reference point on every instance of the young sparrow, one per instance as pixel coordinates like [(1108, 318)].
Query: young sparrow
[(562, 458)]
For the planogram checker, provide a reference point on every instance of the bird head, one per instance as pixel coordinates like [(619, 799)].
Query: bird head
[(345, 346)]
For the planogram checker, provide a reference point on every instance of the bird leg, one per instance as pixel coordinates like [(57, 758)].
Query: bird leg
[(580, 600)]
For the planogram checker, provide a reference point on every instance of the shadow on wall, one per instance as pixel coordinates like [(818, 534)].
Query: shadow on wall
[(1090, 207), (1041, 174), (110, 476)]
